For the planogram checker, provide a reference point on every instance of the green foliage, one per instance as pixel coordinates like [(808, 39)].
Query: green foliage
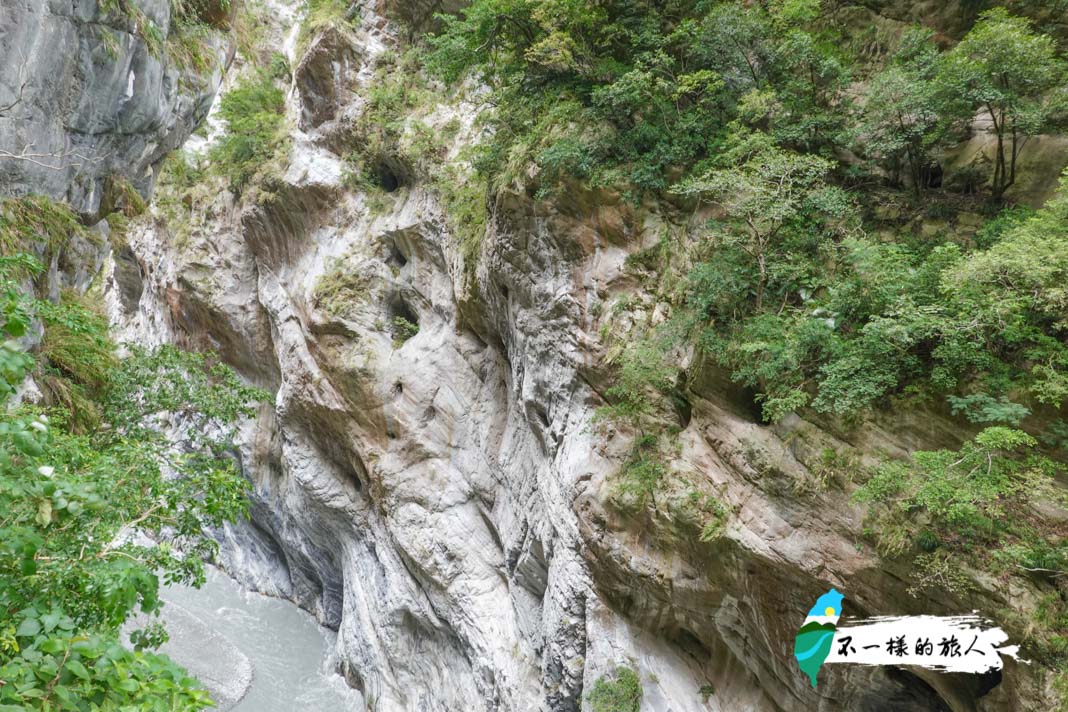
[(939, 571), (255, 129), (977, 493), (320, 15), (902, 117), (182, 191), (643, 378), (212, 13), (1015, 292), (78, 359), (207, 393), (403, 330), (279, 68), (340, 289), (716, 521), (641, 476), (811, 107), (71, 571), (121, 197), (194, 23), (982, 408), (388, 135), (1006, 70), (613, 93), (465, 197), (36, 224), (642, 373), (638, 94), (778, 204), (76, 343), (619, 692), (854, 322)]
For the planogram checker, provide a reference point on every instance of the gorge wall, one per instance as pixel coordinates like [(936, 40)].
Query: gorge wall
[(91, 91), (430, 480)]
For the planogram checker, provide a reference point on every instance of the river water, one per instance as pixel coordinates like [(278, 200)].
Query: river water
[(255, 654)]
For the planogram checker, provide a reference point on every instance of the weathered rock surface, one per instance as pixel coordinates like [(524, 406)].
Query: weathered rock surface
[(84, 97), (442, 500)]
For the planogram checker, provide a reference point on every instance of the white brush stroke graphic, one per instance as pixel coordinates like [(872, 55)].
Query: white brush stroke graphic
[(946, 644)]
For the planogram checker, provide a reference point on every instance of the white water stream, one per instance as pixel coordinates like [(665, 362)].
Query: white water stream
[(255, 654)]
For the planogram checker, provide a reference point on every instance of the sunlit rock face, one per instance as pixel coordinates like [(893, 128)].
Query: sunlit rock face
[(84, 96), (440, 494)]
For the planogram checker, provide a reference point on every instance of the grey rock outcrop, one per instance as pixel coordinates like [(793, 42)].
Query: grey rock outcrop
[(84, 96)]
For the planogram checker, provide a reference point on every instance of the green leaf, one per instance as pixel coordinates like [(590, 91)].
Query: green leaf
[(25, 442), (50, 620), (78, 669), (44, 512), (52, 646), (15, 326), (28, 628)]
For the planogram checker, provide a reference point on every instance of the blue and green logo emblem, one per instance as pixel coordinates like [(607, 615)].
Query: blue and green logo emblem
[(816, 637)]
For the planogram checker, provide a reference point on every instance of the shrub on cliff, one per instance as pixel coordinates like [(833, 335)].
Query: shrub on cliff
[(621, 691), (71, 568), (254, 112)]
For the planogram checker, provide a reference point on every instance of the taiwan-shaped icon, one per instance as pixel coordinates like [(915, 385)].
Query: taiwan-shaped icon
[(816, 637)]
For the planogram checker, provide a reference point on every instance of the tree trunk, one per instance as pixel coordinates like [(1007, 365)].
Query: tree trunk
[(997, 186), (762, 265)]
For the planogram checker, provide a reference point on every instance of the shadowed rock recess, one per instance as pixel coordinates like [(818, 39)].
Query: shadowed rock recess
[(430, 479)]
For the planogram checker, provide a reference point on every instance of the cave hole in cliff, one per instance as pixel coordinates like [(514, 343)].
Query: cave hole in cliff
[(390, 173), (543, 415), (933, 174), (399, 309), (987, 681), (396, 257), (683, 407), (902, 690)]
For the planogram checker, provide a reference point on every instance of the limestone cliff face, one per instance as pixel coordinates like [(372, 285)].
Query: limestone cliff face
[(441, 499), (88, 93)]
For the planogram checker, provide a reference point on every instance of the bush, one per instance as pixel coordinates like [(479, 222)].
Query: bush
[(619, 692), (340, 289), (33, 221), (321, 14), (973, 494), (214, 13), (255, 128), (78, 359), (403, 330), (69, 574)]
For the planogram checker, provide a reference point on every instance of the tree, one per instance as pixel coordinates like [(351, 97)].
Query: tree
[(901, 117), (809, 79), (1006, 71), (735, 41), (770, 195), (980, 491), (1013, 296)]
